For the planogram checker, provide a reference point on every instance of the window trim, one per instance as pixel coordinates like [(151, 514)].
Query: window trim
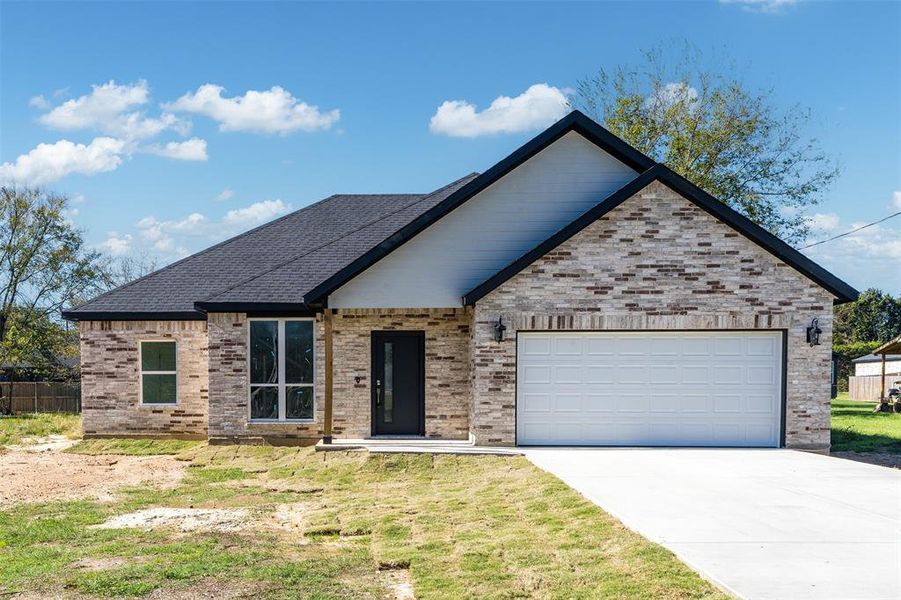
[(281, 385), (142, 372)]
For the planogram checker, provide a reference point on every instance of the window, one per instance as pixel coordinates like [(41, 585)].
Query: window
[(158, 373), (281, 369)]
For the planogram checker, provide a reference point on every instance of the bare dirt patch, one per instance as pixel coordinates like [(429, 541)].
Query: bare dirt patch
[(183, 519), (399, 584), (41, 472)]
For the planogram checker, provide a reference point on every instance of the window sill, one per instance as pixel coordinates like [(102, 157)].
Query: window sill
[(278, 422), (159, 405)]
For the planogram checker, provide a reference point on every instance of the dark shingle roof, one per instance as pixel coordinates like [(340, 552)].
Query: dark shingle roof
[(876, 358), (275, 263)]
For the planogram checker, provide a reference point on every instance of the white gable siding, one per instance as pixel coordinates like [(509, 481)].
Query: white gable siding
[(470, 244)]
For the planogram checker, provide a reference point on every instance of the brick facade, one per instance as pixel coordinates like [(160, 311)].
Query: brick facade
[(655, 262), (110, 379), (229, 391), (447, 384)]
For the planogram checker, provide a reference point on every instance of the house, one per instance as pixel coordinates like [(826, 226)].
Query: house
[(871, 365), (877, 374), (576, 292)]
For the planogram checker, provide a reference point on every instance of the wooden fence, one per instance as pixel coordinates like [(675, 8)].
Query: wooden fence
[(867, 387), (41, 396)]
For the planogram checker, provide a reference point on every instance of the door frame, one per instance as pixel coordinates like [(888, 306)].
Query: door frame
[(783, 400), (375, 336)]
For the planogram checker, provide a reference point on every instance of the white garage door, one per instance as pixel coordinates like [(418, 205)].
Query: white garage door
[(680, 388)]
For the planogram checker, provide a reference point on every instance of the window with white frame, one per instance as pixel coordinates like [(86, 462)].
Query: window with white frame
[(280, 356), (158, 372)]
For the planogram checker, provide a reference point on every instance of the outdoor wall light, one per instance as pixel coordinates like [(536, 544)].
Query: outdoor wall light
[(499, 329), (813, 333)]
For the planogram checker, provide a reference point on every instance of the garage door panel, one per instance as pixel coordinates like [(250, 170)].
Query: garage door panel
[(632, 374), (649, 389), (666, 374), (763, 375), (728, 375), (536, 374), (567, 374), (727, 403)]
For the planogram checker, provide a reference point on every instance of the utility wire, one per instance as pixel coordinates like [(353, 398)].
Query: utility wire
[(855, 230)]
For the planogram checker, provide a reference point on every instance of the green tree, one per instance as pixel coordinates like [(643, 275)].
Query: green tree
[(716, 132), (874, 317), (862, 326), (44, 265)]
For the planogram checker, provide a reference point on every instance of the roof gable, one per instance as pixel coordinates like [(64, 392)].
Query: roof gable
[(573, 122), (760, 236)]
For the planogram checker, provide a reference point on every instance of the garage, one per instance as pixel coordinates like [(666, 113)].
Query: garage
[(650, 388)]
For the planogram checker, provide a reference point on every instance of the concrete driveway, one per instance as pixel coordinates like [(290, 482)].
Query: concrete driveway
[(759, 523)]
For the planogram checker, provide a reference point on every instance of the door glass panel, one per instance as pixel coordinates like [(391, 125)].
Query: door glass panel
[(299, 352), (299, 402), (264, 402), (264, 352), (389, 382)]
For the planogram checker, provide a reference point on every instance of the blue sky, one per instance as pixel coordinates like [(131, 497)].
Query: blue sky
[(174, 125)]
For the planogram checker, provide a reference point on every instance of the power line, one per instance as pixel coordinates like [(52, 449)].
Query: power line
[(855, 230)]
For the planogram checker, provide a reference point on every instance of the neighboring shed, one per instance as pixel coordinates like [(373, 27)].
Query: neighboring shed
[(875, 374)]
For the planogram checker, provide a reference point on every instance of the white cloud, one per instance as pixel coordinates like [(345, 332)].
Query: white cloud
[(192, 149), (115, 244), (172, 238), (537, 107), (48, 162), (762, 6), (664, 98), (823, 222), (270, 111), (39, 102), (256, 213), (224, 195), (109, 108), (896, 199), (867, 258)]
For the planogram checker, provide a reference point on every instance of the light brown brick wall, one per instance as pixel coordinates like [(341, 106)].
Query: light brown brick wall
[(447, 383), (229, 391), (110, 376), (655, 262)]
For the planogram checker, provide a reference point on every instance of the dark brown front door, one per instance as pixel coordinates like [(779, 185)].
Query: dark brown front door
[(398, 383)]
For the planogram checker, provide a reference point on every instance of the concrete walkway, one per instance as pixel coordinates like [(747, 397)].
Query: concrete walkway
[(760, 524)]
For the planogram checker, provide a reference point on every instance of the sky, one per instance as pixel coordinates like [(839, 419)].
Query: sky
[(171, 126)]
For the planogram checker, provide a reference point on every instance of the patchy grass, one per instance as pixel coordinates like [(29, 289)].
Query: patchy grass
[(134, 447), (462, 526), (856, 428), (19, 428)]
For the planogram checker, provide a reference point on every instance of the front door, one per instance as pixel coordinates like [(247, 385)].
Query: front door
[(398, 383)]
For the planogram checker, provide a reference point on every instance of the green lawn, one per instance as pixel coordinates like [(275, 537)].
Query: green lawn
[(457, 526), (133, 447), (16, 429), (856, 428)]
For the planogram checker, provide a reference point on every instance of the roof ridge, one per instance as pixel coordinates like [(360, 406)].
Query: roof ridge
[(226, 242), (330, 242)]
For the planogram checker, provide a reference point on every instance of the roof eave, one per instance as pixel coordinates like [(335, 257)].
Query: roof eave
[(297, 308), (890, 347), (76, 315)]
